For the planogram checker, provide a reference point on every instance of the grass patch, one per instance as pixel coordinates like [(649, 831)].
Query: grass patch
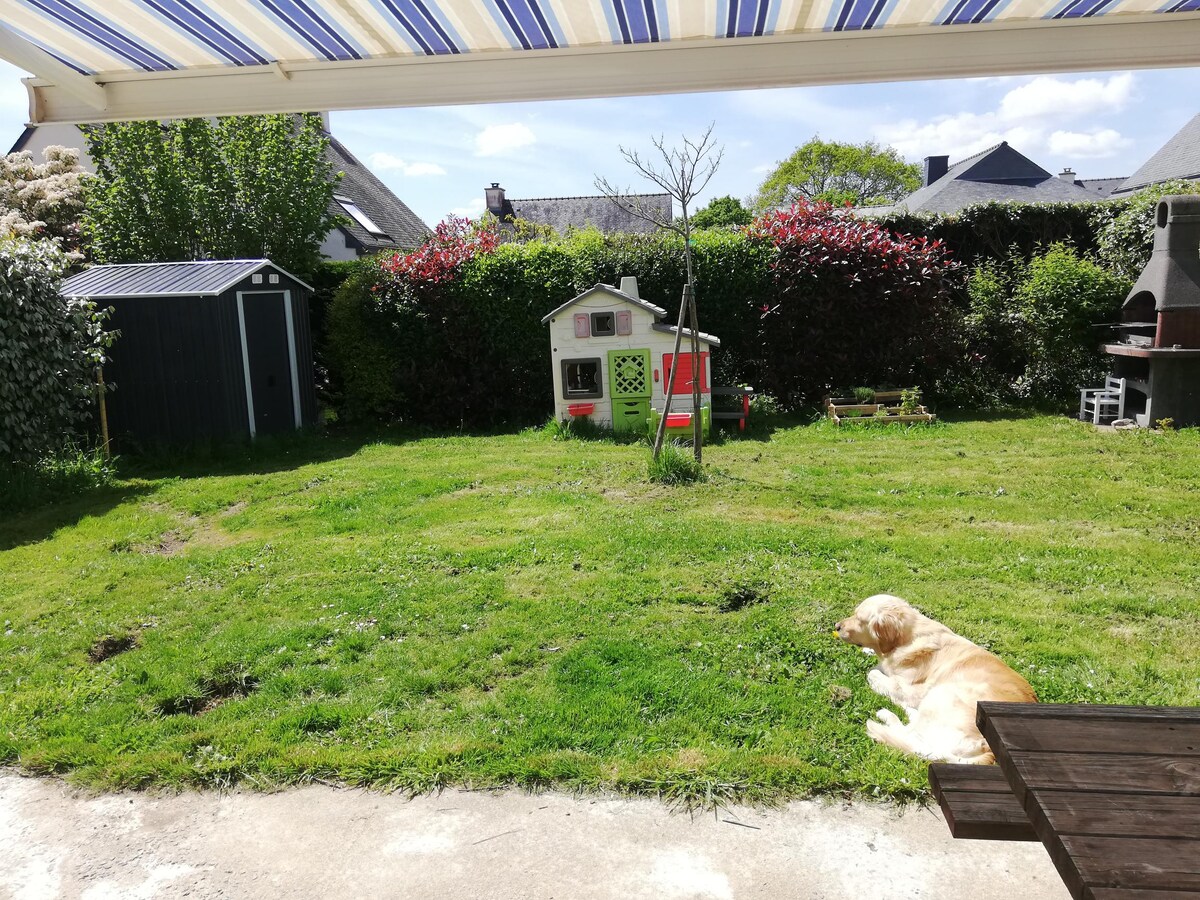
[(420, 611), (676, 464)]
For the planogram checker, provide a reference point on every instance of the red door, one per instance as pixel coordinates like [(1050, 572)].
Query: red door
[(683, 374)]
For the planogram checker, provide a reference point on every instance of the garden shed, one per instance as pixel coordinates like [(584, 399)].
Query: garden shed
[(214, 349)]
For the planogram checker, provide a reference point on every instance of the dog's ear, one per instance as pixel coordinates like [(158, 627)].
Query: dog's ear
[(885, 626)]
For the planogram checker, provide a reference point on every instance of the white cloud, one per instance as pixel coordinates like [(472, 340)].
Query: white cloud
[(1098, 144), (495, 140), (1056, 98), (472, 210), (1024, 117), (386, 162)]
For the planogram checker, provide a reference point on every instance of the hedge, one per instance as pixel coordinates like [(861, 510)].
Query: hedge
[(460, 343)]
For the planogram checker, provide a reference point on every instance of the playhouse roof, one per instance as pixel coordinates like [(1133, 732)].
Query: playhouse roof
[(657, 311), (710, 339)]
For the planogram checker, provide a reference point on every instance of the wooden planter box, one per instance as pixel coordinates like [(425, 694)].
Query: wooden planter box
[(844, 410)]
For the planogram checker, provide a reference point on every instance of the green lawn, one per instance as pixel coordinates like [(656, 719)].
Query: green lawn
[(415, 612)]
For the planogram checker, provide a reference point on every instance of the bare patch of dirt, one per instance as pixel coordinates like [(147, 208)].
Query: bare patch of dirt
[(110, 645), (211, 693), (170, 543), (235, 509), (738, 598)]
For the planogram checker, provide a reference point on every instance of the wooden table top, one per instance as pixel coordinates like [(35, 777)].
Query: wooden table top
[(1113, 793)]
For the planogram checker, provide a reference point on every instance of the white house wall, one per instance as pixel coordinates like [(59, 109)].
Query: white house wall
[(564, 345)]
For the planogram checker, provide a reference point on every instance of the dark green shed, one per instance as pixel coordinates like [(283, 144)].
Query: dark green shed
[(214, 349)]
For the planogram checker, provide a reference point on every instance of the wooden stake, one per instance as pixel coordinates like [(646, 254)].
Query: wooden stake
[(103, 412), (668, 390)]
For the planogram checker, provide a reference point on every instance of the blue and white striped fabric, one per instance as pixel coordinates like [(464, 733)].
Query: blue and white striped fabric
[(109, 36)]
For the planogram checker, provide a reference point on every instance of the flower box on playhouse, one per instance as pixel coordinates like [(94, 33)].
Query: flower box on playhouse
[(613, 357)]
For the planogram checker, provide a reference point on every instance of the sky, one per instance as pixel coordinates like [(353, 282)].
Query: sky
[(439, 160)]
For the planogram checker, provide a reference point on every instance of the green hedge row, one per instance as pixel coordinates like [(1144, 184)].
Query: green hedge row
[(1005, 329)]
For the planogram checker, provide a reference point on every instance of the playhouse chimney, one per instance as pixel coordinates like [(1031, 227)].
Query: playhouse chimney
[(495, 199), (935, 167), (629, 286)]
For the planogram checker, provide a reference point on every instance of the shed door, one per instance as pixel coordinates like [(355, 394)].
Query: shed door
[(268, 361)]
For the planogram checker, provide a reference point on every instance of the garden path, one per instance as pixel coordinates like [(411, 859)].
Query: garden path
[(324, 842)]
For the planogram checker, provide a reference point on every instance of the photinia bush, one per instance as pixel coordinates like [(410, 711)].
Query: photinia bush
[(853, 304)]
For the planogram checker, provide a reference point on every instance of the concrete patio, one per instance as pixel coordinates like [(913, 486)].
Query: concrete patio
[(325, 842)]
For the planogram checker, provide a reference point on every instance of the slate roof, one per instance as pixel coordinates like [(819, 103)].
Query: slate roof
[(657, 311), (1100, 187), (1177, 158), (561, 213), (998, 173), (401, 227), (202, 278)]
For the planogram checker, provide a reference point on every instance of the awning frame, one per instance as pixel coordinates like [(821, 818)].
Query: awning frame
[(59, 94)]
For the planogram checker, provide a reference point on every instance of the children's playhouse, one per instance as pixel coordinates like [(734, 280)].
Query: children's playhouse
[(612, 356)]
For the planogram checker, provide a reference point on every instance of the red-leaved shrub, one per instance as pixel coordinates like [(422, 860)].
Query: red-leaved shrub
[(853, 305)]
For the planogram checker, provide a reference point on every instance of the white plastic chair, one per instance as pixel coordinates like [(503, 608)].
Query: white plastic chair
[(1106, 403)]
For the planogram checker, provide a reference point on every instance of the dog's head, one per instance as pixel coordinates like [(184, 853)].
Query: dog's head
[(881, 623)]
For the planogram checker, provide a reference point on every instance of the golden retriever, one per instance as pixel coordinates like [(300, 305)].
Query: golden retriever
[(935, 674)]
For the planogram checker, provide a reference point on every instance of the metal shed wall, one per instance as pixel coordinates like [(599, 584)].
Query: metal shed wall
[(178, 370)]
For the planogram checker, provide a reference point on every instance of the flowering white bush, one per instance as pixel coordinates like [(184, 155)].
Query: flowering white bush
[(43, 200)]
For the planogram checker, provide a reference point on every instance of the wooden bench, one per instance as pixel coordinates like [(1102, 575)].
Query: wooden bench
[(978, 803), (739, 415)]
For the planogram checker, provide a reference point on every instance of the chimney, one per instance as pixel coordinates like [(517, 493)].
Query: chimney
[(495, 199), (629, 286), (1067, 175), (935, 167)]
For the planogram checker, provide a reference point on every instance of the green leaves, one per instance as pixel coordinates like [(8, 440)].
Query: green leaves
[(49, 348), (837, 173), (240, 187)]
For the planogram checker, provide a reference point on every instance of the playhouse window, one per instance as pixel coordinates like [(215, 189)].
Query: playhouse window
[(604, 323), (581, 378)]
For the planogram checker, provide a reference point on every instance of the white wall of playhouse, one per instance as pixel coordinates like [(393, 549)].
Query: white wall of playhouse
[(612, 354)]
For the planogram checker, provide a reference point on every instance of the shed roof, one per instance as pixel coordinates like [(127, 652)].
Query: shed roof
[(657, 311), (200, 278)]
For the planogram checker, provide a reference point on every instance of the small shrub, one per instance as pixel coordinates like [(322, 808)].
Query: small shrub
[(676, 465), (863, 394), (910, 400), (1061, 298)]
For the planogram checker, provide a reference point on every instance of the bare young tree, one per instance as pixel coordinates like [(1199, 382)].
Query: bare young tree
[(683, 172)]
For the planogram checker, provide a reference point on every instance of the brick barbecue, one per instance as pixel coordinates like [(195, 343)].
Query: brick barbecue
[(1158, 347)]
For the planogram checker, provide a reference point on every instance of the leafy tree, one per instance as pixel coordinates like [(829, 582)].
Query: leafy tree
[(43, 200), (723, 211), (242, 186), (837, 173)]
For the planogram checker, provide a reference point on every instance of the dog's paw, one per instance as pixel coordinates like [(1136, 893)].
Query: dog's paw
[(879, 683), (876, 730), (887, 717)]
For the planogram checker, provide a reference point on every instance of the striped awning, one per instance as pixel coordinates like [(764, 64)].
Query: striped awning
[(112, 59)]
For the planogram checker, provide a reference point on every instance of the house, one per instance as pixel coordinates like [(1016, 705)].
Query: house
[(1177, 159), (999, 173), (564, 213), (374, 218), (613, 358)]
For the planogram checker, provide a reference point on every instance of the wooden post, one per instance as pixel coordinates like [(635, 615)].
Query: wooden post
[(103, 411), (697, 422), (668, 391)]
